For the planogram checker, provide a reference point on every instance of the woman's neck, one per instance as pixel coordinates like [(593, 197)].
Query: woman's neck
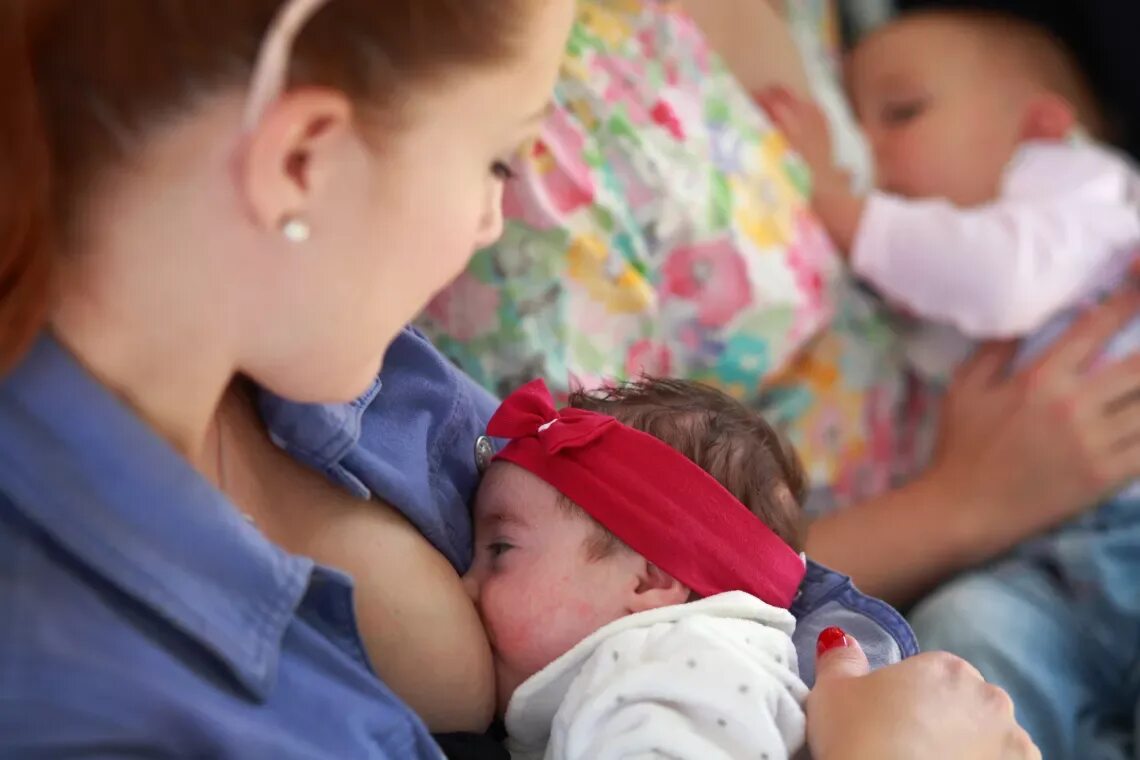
[(146, 281), (171, 379)]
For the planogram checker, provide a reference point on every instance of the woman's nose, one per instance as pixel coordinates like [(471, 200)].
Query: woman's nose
[(491, 225)]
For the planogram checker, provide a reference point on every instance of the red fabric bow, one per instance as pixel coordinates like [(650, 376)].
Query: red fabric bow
[(530, 412), (652, 497)]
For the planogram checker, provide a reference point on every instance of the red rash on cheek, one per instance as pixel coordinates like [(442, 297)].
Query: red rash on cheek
[(532, 627), (514, 622), (513, 636)]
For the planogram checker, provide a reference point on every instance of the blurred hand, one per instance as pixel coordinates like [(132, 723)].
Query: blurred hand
[(805, 126), (1039, 447), (930, 706)]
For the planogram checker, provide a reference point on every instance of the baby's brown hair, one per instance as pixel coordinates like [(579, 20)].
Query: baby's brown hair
[(722, 436)]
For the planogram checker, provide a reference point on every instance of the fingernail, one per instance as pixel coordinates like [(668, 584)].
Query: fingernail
[(831, 638)]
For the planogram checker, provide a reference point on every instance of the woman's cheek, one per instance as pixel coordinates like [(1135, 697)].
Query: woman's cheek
[(470, 230)]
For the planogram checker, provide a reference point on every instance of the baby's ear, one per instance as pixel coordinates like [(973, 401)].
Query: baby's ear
[(1048, 117), (656, 588)]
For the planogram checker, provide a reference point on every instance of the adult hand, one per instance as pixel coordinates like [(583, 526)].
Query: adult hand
[(1018, 455), (930, 706), (1025, 452)]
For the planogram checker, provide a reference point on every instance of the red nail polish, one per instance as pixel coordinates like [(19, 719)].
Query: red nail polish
[(831, 638)]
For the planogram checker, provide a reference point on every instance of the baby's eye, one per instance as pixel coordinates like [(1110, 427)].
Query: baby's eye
[(897, 114), (499, 548)]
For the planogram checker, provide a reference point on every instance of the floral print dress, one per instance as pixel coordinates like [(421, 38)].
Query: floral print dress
[(660, 225)]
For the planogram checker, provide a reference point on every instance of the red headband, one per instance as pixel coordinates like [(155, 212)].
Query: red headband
[(649, 495)]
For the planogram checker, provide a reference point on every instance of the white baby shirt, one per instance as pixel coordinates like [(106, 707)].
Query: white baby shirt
[(1063, 232), (715, 679)]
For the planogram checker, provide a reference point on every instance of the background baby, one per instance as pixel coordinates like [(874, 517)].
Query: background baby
[(996, 212), (682, 642)]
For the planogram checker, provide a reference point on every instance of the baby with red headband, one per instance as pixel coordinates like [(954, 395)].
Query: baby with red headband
[(636, 555)]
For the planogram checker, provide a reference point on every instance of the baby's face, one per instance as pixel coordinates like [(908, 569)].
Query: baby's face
[(537, 590), (941, 123)]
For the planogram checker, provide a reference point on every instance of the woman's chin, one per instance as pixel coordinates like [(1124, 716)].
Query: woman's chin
[(328, 387)]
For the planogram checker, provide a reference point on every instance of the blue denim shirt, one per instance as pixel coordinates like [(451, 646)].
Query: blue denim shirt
[(143, 616)]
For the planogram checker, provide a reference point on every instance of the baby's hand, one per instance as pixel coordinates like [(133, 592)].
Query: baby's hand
[(805, 126)]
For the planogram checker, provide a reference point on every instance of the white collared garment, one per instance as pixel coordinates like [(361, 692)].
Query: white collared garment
[(715, 679), (1064, 228)]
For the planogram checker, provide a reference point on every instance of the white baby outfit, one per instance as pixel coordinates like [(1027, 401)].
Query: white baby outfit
[(1062, 233), (715, 679)]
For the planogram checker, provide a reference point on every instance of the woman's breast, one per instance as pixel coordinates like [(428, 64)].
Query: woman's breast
[(419, 627)]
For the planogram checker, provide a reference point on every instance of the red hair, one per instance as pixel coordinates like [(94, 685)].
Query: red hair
[(85, 80)]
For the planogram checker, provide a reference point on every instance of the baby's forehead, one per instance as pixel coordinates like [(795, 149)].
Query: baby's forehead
[(508, 488), (918, 47), (927, 35)]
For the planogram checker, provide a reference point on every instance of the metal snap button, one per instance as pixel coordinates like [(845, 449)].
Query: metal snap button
[(484, 452)]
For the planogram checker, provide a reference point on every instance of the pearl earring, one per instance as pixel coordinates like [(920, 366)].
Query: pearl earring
[(295, 229)]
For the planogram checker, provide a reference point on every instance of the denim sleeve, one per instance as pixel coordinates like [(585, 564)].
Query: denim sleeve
[(416, 448), (826, 599)]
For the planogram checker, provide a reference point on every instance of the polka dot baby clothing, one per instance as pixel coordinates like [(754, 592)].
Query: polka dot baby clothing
[(716, 678)]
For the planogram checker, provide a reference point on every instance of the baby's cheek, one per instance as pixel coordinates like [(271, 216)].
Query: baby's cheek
[(514, 633), (513, 625), (531, 631), (583, 609)]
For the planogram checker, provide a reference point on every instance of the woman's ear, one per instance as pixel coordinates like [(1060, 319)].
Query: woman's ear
[(1048, 117), (284, 159), (656, 588)]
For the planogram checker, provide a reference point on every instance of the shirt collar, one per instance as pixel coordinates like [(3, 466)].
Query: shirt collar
[(319, 435), (81, 465)]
